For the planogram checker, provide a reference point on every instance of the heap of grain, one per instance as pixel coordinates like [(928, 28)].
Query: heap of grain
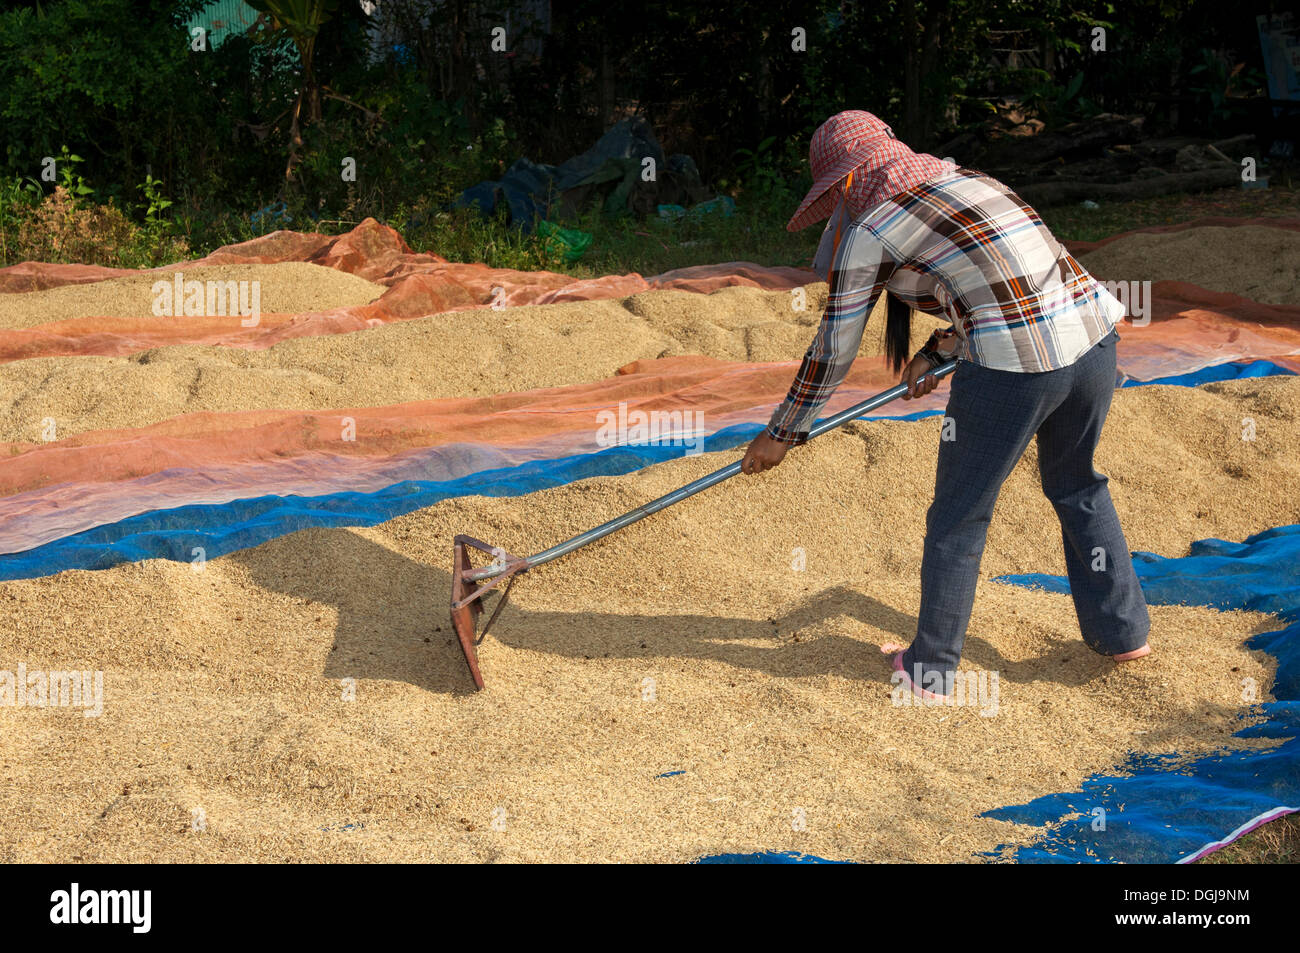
[(307, 696)]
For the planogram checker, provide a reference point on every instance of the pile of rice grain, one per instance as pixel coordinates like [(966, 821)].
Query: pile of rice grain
[(689, 686), (291, 287), (1253, 261), (466, 354), (709, 680)]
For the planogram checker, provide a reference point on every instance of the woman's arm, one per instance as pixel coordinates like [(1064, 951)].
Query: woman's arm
[(862, 268)]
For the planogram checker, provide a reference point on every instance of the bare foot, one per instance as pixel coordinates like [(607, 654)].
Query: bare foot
[(1130, 656)]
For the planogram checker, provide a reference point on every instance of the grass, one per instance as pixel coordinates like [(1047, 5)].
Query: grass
[(1277, 842), (621, 245), (757, 233), (1075, 223)]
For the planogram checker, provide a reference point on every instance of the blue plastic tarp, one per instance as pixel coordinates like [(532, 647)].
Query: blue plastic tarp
[(1162, 812)]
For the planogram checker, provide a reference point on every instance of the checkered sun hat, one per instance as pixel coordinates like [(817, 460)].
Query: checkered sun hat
[(856, 142)]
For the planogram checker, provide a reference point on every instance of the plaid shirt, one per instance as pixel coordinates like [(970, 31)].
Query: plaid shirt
[(965, 247)]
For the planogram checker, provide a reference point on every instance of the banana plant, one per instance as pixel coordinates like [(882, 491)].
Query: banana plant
[(301, 20)]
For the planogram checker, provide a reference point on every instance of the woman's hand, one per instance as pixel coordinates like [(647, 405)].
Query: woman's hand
[(764, 453), (918, 385)]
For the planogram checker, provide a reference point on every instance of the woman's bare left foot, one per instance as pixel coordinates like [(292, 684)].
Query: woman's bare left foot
[(1130, 656)]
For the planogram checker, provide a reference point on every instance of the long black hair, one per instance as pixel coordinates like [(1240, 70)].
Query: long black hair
[(898, 332)]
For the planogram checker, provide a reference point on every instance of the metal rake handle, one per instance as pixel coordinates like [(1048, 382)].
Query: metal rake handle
[(695, 486)]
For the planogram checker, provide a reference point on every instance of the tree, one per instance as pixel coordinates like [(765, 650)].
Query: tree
[(302, 20)]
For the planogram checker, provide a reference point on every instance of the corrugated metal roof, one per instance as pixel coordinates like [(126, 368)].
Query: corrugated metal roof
[(221, 18)]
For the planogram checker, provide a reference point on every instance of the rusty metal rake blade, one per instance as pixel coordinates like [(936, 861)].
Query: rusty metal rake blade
[(467, 594)]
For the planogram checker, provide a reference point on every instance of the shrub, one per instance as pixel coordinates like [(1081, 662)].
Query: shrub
[(61, 229)]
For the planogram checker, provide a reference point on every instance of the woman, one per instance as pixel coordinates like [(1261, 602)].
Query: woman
[(1036, 337)]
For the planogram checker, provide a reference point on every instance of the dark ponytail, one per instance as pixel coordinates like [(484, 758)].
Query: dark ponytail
[(898, 332)]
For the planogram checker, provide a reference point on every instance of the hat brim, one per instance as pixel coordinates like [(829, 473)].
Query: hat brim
[(816, 206), (820, 202)]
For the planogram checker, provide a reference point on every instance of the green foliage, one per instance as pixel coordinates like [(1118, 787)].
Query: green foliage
[(302, 19), (18, 196), (19, 190), (464, 235), (139, 106), (1055, 102), (91, 71), (766, 175), (618, 245), (1210, 81), (62, 228), (66, 166), (155, 203)]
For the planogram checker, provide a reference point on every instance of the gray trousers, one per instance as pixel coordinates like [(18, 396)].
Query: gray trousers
[(994, 414)]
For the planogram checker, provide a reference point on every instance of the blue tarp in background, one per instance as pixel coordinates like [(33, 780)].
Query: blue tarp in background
[(1231, 371), (609, 174), (223, 528)]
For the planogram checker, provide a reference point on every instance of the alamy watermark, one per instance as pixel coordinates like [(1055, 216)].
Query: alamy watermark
[(133, 908), (1135, 296), (207, 299), (975, 689), (661, 428), (38, 688)]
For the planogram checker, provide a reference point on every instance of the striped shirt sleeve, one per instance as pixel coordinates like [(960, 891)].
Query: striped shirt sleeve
[(858, 276)]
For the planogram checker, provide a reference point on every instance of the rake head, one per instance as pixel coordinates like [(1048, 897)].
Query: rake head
[(467, 594)]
